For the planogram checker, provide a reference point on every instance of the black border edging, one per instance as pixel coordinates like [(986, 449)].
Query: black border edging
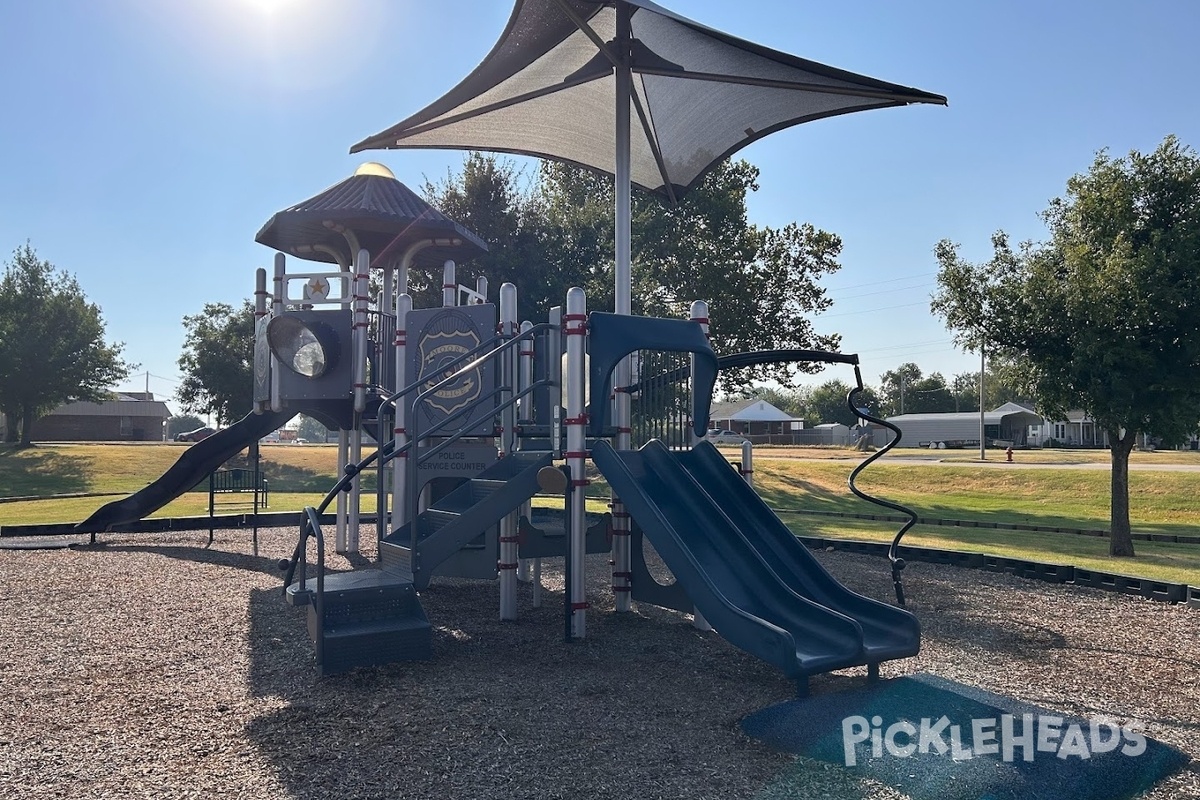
[(1034, 570), (1004, 526), (164, 524)]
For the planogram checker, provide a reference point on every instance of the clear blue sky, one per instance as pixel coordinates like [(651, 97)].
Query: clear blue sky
[(146, 141)]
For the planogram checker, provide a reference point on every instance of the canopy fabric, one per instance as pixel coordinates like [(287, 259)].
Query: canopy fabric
[(384, 215), (547, 89)]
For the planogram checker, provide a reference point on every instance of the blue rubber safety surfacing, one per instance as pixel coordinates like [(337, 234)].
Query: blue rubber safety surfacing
[(941, 759)]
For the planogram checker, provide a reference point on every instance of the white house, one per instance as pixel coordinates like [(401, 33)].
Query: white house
[(752, 417), (1077, 430)]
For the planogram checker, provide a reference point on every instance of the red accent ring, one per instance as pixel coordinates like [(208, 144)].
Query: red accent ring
[(622, 574), (622, 588), (584, 482), (509, 539), (580, 606), (503, 567)]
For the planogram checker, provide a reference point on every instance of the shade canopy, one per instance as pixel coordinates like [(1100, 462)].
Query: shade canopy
[(380, 212), (549, 88)]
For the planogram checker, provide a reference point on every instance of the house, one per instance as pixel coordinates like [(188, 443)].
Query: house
[(752, 417), (128, 417), (1077, 430), (1010, 423)]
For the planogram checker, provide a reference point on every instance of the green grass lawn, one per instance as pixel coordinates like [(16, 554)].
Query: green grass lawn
[(1161, 501)]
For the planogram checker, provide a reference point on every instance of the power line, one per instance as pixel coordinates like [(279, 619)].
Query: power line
[(883, 291), (871, 310), (879, 283)]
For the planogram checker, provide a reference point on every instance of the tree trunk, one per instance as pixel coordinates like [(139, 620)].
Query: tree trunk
[(1120, 542), (27, 419), (10, 427)]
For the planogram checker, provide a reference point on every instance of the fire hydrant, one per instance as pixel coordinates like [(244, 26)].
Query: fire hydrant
[(1008, 455)]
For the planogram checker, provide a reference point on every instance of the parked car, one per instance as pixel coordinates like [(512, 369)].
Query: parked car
[(196, 435), (725, 437)]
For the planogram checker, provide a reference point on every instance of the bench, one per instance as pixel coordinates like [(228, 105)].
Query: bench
[(235, 481), (226, 481)]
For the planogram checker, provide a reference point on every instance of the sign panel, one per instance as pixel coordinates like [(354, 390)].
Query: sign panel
[(438, 341)]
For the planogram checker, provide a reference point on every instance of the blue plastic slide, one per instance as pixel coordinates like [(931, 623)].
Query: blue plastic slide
[(193, 466), (745, 572)]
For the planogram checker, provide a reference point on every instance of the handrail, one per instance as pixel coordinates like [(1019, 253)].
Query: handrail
[(310, 526), (392, 399), (388, 451), (893, 551)]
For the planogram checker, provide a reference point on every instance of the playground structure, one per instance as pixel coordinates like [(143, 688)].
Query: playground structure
[(473, 413)]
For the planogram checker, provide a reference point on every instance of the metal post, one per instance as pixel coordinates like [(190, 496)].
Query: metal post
[(361, 288), (276, 310), (747, 470), (507, 565), (982, 428), (481, 287), (449, 286), (401, 513), (260, 310), (526, 414), (575, 329), (343, 458), (362, 265), (699, 315)]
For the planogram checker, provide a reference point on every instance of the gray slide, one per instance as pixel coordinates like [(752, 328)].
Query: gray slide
[(888, 632), (193, 466), (770, 599)]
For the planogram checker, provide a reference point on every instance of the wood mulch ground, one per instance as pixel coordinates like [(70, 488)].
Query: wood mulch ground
[(151, 666)]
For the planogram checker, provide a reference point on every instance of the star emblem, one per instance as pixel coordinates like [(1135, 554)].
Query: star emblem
[(316, 289)]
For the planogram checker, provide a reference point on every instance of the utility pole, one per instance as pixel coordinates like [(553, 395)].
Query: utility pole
[(902, 393), (982, 429)]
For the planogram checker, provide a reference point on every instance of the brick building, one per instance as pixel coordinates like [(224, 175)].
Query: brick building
[(128, 417)]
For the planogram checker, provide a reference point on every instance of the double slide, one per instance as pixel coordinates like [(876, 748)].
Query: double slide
[(754, 582), (193, 466)]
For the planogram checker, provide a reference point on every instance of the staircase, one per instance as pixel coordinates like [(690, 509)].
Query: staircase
[(452, 523), (368, 618)]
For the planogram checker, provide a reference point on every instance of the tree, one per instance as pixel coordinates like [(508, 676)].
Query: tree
[(893, 389), (1103, 314), (761, 283), (52, 346), (217, 363), (182, 423), (488, 198), (827, 403), (310, 430)]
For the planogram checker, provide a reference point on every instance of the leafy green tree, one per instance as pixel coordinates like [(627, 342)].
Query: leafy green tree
[(311, 430), (182, 423), (1103, 314), (52, 346), (491, 198), (827, 403), (894, 386), (217, 363), (761, 283)]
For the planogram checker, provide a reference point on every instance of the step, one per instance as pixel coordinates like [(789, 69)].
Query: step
[(363, 585), (376, 642), (467, 495), (544, 535)]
